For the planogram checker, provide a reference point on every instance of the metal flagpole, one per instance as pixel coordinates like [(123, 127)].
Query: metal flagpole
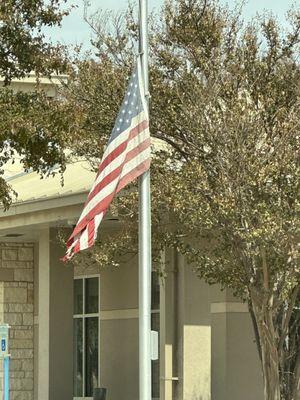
[(144, 235)]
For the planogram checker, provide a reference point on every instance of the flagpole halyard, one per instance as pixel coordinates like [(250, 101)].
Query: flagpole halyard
[(144, 234)]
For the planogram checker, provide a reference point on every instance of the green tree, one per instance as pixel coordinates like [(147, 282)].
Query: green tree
[(23, 49), (225, 103), (22, 43)]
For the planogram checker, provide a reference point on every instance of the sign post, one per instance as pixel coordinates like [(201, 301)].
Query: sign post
[(4, 339)]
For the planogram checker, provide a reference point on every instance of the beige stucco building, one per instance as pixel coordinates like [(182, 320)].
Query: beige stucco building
[(76, 328)]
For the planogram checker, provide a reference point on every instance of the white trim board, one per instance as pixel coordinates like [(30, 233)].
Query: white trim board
[(119, 314), (228, 307), (130, 313)]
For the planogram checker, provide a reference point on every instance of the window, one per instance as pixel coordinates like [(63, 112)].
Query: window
[(86, 320), (86, 336)]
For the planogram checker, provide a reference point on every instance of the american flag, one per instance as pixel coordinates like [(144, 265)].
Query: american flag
[(127, 156)]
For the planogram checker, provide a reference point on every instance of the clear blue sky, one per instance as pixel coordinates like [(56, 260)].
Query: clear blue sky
[(75, 31)]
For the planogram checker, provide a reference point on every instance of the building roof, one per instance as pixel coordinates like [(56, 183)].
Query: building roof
[(77, 178), (29, 84), (32, 79)]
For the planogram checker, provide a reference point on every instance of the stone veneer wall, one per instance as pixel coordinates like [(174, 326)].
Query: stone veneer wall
[(16, 309)]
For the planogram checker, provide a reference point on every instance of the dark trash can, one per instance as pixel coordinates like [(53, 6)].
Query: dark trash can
[(99, 394)]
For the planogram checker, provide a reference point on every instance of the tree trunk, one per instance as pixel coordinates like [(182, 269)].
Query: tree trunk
[(296, 389), (268, 341), (270, 367)]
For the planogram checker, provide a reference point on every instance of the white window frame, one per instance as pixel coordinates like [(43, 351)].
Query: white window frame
[(83, 317)]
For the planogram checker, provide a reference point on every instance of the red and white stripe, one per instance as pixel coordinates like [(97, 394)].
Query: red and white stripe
[(125, 158)]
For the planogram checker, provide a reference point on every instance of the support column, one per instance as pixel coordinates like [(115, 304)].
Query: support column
[(236, 370), (55, 321), (61, 322), (168, 316), (44, 314), (194, 335)]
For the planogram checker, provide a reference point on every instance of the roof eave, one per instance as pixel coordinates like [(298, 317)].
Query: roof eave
[(43, 204)]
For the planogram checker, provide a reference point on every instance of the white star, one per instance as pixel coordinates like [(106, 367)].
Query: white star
[(127, 120), (123, 111), (121, 120), (126, 102), (128, 93)]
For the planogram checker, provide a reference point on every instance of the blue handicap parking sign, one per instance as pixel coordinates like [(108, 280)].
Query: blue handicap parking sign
[(4, 335)]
